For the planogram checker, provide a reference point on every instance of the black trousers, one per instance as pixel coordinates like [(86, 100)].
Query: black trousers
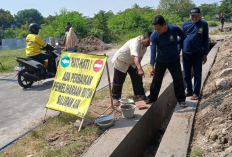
[(119, 78), (175, 70), (41, 57)]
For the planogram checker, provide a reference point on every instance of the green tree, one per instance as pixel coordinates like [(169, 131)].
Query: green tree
[(28, 15), (226, 8), (136, 6), (209, 9), (6, 19), (17, 32), (178, 7), (132, 20), (100, 25), (56, 27), (50, 18), (1, 36)]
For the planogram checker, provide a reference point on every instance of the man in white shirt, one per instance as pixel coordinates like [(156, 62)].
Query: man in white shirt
[(127, 60)]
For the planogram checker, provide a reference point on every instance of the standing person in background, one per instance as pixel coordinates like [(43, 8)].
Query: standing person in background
[(67, 27), (72, 41), (66, 33), (67, 30), (222, 21), (194, 51), (165, 39)]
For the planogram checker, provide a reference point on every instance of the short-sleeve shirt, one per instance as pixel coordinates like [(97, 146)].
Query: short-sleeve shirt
[(124, 57), (34, 42)]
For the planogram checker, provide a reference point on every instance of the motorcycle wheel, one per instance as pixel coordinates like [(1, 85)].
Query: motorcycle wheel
[(25, 82)]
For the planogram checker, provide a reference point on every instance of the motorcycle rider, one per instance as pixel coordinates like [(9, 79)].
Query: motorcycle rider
[(34, 42)]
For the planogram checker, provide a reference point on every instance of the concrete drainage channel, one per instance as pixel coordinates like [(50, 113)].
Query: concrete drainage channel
[(131, 137)]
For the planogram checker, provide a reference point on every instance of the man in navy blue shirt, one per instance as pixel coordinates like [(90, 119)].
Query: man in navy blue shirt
[(165, 40), (194, 51)]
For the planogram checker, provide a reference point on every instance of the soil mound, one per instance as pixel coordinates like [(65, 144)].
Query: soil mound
[(213, 127), (90, 43)]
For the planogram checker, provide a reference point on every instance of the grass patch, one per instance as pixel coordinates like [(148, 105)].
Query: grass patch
[(35, 142), (197, 152), (217, 32), (213, 23), (7, 58), (214, 32), (123, 38)]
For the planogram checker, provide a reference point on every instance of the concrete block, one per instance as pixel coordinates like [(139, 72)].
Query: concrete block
[(141, 104)]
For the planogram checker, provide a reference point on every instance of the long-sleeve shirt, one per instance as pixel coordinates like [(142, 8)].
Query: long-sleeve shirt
[(166, 44), (197, 37)]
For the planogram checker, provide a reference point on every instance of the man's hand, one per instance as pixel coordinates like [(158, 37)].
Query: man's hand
[(140, 72), (152, 71), (204, 59), (139, 67)]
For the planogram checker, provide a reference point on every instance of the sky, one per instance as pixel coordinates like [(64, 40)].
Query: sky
[(86, 7)]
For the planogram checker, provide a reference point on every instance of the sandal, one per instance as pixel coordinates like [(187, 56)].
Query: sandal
[(183, 104), (194, 97)]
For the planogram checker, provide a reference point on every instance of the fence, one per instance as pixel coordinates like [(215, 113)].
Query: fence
[(18, 43)]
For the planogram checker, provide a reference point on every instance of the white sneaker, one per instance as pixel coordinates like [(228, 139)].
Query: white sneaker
[(115, 102)]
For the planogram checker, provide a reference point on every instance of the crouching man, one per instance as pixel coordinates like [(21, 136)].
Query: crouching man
[(128, 60)]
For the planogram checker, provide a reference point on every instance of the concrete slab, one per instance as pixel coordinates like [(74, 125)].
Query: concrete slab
[(130, 137), (176, 139)]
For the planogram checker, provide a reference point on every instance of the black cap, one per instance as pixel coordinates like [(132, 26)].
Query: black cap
[(158, 20), (195, 11)]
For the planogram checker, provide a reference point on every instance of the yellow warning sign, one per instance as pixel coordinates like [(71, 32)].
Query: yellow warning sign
[(75, 83)]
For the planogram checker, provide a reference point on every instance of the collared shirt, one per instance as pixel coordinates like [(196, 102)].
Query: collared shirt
[(124, 57), (34, 42), (197, 37), (166, 45)]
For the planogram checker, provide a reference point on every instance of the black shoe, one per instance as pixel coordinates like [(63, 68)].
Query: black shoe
[(142, 98), (150, 101)]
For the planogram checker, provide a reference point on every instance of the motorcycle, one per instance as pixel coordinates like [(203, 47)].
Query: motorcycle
[(30, 71)]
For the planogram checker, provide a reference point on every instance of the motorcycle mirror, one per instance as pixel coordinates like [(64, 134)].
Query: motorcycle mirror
[(57, 43)]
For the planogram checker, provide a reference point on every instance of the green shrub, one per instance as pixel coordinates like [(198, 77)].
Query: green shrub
[(212, 23)]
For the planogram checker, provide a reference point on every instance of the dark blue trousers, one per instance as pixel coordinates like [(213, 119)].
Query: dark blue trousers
[(192, 60)]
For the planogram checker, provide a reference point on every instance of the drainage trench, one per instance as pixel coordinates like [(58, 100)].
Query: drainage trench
[(135, 136), (155, 142)]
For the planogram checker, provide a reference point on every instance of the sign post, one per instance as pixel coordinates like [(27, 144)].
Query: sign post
[(75, 83)]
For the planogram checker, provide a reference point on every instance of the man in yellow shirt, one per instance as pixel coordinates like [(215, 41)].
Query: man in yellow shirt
[(34, 42)]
